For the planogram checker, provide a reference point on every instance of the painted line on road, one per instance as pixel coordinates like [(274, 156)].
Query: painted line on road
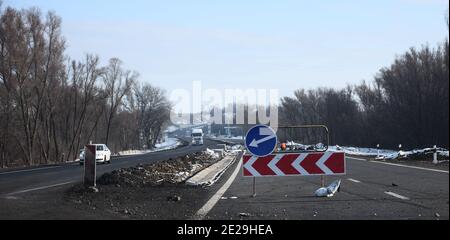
[(202, 212), (124, 156), (29, 170), (358, 159), (38, 188), (397, 195), (353, 180), (400, 165)]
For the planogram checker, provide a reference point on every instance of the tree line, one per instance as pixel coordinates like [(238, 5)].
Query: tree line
[(51, 105), (407, 103)]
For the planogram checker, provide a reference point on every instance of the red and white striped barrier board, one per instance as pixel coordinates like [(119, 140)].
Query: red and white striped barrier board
[(291, 164)]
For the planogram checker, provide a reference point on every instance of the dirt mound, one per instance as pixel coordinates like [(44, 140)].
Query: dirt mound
[(169, 171)]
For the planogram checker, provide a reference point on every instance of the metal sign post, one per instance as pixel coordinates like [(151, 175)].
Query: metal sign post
[(435, 156), (90, 167), (254, 187), (260, 141), (378, 150), (322, 181)]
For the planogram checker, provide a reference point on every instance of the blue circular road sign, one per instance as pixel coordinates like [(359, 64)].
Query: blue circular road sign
[(261, 140)]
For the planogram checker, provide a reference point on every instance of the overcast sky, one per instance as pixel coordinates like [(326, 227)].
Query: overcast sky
[(249, 44)]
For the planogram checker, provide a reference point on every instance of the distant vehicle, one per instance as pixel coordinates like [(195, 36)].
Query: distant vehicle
[(81, 156), (197, 137), (103, 154)]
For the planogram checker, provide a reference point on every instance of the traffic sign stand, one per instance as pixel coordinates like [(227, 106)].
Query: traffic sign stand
[(295, 164), (322, 181), (254, 187), (261, 142)]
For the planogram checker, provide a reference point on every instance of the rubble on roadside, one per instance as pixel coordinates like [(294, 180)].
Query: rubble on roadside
[(329, 191), (170, 171), (425, 154), (417, 154)]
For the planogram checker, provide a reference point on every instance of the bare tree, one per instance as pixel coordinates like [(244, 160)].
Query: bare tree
[(118, 83), (49, 105), (32, 54), (153, 111)]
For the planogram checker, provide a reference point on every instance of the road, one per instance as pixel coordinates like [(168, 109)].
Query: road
[(33, 179), (370, 190)]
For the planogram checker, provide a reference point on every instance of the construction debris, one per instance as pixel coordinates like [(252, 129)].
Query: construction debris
[(169, 171), (93, 189), (330, 190), (174, 198), (244, 215)]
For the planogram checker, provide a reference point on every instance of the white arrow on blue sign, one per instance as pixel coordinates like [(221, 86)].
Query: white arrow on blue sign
[(261, 140)]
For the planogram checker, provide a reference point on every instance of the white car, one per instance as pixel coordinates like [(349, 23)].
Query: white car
[(103, 154)]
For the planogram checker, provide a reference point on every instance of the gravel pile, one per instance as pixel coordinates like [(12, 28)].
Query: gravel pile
[(169, 171)]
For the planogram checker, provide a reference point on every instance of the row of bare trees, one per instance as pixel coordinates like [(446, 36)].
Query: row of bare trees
[(50, 106), (407, 103)]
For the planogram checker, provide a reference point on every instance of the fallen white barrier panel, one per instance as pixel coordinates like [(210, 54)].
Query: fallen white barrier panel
[(210, 175), (330, 190)]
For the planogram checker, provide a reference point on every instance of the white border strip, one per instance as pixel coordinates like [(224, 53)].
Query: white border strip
[(353, 180), (38, 188), (397, 195), (202, 212), (29, 170), (400, 165)]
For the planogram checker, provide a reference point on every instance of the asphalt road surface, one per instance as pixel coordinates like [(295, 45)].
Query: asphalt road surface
[(370, 190), (35, 179)]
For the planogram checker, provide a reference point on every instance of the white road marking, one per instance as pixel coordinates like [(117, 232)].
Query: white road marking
[(39, 188), (202, 212), (358, 159), (11, 198), (400, 165), (397, 195), (353, 180), (29, 170)]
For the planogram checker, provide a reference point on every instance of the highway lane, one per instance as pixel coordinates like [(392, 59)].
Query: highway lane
[(30, 179), (369, 191)]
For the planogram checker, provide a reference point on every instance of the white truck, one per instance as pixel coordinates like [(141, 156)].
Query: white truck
[(197, 137)]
